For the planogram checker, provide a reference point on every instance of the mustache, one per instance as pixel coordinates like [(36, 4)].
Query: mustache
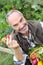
[(23, 27)]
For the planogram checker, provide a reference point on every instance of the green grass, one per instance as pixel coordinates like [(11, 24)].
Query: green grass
[(6, 59)]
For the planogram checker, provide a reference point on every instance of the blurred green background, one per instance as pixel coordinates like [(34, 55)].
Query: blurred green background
[(31, 9)]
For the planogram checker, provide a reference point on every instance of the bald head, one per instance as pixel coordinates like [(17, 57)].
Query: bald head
[(14, 17), (12, 11), (17, 21)]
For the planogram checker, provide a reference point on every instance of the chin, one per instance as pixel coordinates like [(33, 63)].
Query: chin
[(23, 32)]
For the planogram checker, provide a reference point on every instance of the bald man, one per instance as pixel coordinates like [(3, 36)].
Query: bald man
[(27, 34)]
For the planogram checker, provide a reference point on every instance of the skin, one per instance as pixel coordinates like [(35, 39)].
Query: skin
[(18, 23)]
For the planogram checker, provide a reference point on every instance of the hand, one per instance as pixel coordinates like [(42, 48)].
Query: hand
[(12, 44)]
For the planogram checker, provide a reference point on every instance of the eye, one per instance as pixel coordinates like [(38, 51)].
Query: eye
[(15, 25)]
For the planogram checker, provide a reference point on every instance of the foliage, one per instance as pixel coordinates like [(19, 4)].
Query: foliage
[(40, 53), (6, 5), (38, 50), (4, 27), (6, 59), (32, 10)]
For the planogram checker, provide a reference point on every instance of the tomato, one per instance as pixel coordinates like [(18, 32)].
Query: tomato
[(8, 36), (33, 56)]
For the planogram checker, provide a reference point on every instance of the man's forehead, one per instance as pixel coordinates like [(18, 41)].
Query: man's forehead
[(14, 14), (14, 18)]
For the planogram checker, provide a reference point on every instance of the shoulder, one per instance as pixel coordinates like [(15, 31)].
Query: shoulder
[(35, 23)]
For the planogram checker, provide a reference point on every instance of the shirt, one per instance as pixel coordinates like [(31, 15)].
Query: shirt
[(29, 39)]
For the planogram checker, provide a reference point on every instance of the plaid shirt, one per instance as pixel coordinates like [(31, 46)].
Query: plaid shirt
[(29, 39)]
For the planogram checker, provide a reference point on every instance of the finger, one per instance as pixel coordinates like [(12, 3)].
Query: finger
[(10, 38), (7, 41)]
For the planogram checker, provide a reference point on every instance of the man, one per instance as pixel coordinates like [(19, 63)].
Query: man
[(27, 34)]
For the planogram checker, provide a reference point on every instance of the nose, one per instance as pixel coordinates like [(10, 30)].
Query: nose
[(21, 25)]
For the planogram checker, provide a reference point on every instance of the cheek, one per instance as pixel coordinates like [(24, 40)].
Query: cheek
[(24, 21), (16, 28)]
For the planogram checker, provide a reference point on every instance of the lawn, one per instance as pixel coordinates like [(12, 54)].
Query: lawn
[(6, 59)]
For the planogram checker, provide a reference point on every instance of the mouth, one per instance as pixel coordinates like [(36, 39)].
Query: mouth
[(24, 28)]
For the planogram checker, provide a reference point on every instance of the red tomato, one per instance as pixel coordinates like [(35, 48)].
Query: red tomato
[(8, 36)]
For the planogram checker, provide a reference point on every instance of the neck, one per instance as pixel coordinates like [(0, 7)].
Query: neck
[(26, 34)]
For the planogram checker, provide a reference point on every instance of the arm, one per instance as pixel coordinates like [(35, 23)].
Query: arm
[(17, 51)]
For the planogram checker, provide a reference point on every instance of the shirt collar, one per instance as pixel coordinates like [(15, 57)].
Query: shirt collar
[(29, 37)]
